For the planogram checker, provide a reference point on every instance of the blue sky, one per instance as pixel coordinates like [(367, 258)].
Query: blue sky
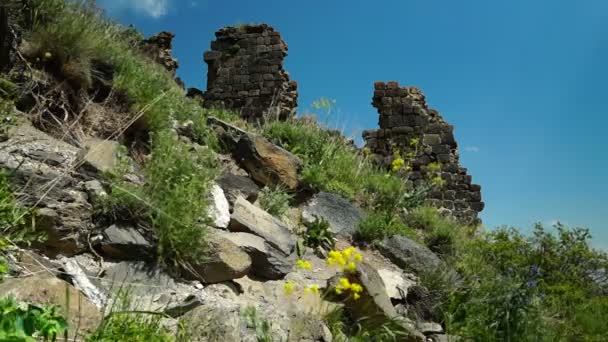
[(524, 82)]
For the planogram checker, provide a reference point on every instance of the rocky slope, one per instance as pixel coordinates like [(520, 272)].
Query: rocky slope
[(60, 165)]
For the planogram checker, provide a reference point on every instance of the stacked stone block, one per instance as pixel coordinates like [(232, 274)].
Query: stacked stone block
[(245, 73), (404, 115)]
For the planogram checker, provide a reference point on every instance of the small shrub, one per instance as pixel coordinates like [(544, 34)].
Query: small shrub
[(275, 200), (261, 326), (123, 323), (318, 233), (178, 179), (29, 323), (440, 233), (378, 225)]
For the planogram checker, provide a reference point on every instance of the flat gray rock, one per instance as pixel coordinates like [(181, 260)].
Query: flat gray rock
[(246, 217), (343, 217)]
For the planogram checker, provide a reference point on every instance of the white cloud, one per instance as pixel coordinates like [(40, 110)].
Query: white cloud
[(472, 149), (151, 8)]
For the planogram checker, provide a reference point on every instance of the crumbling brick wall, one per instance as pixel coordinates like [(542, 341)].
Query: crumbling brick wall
[(404, 115), (245, 73)]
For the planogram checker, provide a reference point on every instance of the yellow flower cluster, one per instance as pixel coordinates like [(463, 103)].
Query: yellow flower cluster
[(304, 264), (397, 164), (346, 259), (290, 287), (345, 285), (312, 289)]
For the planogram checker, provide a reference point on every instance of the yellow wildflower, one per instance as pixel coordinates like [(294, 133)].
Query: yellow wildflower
[(344, 283), (348, 252), (358, 257), (312, 289), (356, 288), (305, 264), (352, 267), (289, 287), (338, 290), (397, 164), (356, 296)]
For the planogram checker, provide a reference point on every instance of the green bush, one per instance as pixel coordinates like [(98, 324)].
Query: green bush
[(275, 200), (440, 233), (318, 233), (540, 287), (178, 180), (123, 323), (29, 323), (378, 225)]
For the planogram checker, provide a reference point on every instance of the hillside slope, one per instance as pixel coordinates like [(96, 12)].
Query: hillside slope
[(132, 209)]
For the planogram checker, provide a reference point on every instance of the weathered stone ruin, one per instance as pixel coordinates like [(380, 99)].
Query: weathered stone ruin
[(404, 115), (158, 47), (246, 73)]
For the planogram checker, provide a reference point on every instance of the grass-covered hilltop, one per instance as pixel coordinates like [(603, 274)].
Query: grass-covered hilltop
[(134, 209)]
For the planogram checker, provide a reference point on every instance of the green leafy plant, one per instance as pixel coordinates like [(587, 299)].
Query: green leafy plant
[(318, 233), (275, 200), (22, 322), (261, 326)]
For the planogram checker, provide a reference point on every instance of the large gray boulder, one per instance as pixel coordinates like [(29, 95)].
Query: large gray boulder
[(100, 155), (45, 177), (246, 217), (266, 162), (223, 261), (267, 261), (374, 307), (125, 242), (235, 186), (343, 217), (410, 255)]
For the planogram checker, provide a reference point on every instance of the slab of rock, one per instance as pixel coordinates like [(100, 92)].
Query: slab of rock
[(246, 217), (429, 328), (47, 290), (267, 262), (374, 307), (235, 186), (124, 242), (266, 162), (409, 255), (100, 155), (219, 209), (43, 172), (224, 261), (83, 283), (396, 285), (343, 217)]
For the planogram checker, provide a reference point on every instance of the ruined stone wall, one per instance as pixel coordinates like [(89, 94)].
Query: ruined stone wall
[(404, 115), (158, 47), (246, 73)]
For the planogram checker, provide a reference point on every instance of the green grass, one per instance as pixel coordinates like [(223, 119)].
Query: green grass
[(275, 200), (124, 323), (330, 164), (29, 323)]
